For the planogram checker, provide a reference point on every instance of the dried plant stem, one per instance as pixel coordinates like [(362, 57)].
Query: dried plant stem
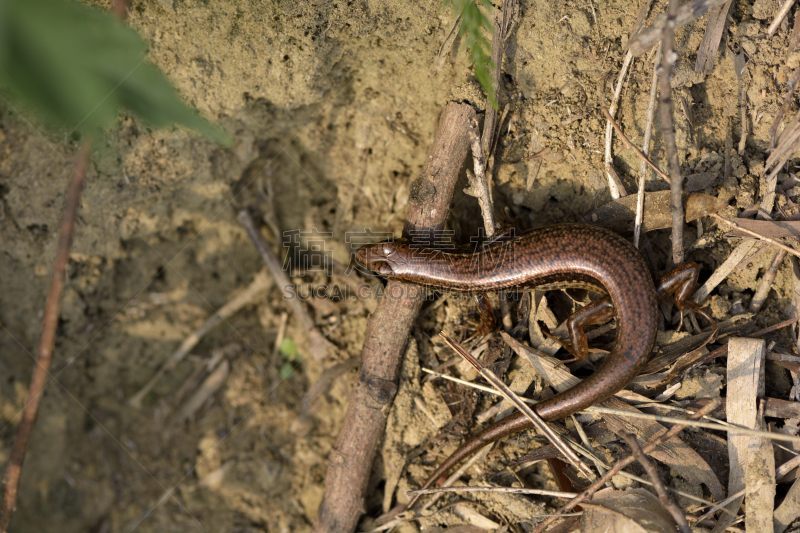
[(501, 490), (765, 284), (44, 354), (479, 188), (257, 288), (648, 132), (321, 348), (615, 186), (658, 485), (668, 131), (661, 174), (782, 13), (651, 445)]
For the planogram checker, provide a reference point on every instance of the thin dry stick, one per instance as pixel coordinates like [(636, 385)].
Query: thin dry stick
[(648, 132), (615, 186), (509, 395), (44, 356), (746, 231), (661, 174), (321, 348), (500, 490), (782, 12), (765, 284), (658, 485), (668, 131), (721, 506), (478, 186), (651, 445)]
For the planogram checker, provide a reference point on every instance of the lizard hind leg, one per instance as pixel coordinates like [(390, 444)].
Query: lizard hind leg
[(681, 283), (597, 312)]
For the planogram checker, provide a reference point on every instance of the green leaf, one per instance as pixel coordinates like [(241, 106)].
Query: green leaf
[(288, 349), (286, 371), (77, 67), (472, 29)]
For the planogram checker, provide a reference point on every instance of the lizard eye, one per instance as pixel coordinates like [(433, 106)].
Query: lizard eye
[(388, 249)]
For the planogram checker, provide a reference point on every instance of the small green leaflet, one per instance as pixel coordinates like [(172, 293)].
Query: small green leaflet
[(288, 349), (77, 67), (471, 29)]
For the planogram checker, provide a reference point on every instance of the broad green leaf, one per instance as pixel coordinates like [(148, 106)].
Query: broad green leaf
[(77, 67)]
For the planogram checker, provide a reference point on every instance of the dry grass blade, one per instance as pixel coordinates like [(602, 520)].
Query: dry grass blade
[(739, 254), (597, 409), (615, 186), (508, 394), (765, 283), (788, 511), (629, 143)]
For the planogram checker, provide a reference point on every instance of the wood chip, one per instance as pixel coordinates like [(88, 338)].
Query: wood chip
[(788, 511), (709, 49), (618, 215), (745, 381)]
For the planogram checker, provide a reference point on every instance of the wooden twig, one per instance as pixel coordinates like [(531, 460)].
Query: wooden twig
[(782, 13), (615, 186), (648, 132), (668, 130), (350, 461), (651, 445), (479, 188), (499, 490), (661, 174), (321, 348), (503, 22), (658, 485), (509, 395), (44, 353), (765, 283)]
